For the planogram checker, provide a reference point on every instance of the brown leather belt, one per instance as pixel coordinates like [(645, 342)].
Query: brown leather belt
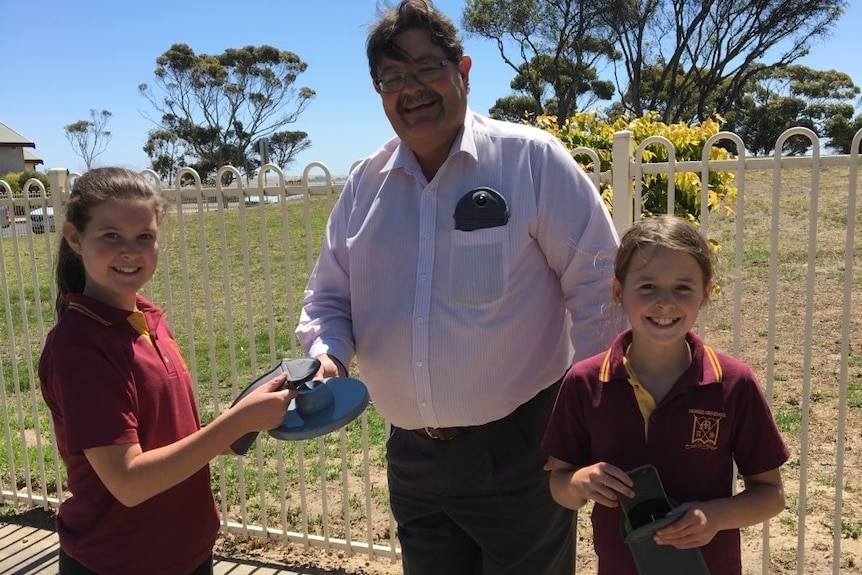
[(443, 433), (543, 398)]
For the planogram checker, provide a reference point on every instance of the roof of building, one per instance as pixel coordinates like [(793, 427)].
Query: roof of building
[(31, 157), (9, 137)]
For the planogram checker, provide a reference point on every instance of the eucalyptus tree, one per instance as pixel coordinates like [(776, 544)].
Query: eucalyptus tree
[(684, 59), (688, 59), (780, 98), (553, 47), (213, 109), (286, 145), (89, 138)]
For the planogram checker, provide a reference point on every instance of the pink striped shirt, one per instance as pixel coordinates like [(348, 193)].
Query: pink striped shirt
[(455, 328)]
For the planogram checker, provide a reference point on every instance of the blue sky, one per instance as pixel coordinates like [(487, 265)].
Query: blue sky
[(66, 58)]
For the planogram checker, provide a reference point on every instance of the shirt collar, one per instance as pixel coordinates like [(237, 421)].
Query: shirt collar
[(405, 159), (109, 315), (704, 361)]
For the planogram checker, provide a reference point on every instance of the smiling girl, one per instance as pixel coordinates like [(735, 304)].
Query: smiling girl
[(661, 396), (122, 400)]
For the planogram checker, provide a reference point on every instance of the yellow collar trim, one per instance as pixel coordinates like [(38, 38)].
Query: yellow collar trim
[(138, 321), (88, 312)]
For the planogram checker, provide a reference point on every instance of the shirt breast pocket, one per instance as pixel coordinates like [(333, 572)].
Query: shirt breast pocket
[(479, 265)]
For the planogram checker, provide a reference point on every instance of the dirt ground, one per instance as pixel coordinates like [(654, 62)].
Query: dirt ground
[(801, 374)]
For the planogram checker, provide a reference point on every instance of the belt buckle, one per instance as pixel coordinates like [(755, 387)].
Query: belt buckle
[(448, 433)]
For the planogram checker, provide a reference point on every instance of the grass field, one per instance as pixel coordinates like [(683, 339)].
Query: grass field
[(783, 315)]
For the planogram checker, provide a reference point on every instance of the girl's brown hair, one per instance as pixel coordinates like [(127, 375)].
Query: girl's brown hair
[(91, 189), (667, 232)]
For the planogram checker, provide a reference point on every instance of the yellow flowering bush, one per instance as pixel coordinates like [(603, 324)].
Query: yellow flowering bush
[(591, 130)]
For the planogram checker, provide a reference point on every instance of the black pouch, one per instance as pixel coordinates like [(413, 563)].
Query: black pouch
[(643, 515), (479, 209)]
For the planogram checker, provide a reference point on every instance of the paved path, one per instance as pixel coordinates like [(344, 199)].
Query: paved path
[(26, 550)]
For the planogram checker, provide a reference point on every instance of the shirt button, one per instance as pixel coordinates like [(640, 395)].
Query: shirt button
[(418, 320), (418, 364)]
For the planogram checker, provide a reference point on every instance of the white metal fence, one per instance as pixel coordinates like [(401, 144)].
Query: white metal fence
[(235, 260)]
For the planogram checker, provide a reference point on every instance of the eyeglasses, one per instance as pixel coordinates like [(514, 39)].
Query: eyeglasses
[(423, 74)]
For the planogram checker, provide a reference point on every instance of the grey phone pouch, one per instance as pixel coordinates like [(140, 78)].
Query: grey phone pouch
[(653, 559), (644, 514)]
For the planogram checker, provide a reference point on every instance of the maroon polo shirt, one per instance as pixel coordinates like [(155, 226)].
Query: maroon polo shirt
[(715, 414), (112, 377)]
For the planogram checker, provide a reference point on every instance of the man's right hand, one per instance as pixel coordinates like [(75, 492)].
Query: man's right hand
[(330, 366)]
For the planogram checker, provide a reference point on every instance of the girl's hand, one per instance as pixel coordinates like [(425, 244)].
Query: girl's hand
[(601, 482), (264, 408), (693, 529)]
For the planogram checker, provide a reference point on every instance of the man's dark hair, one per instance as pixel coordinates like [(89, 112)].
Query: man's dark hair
[(410, 15)]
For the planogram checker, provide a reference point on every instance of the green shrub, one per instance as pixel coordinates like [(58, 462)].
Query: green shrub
[(29, 174), (11, 179), (16, 181)]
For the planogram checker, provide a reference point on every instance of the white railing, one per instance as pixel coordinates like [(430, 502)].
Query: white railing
[(231, 276)]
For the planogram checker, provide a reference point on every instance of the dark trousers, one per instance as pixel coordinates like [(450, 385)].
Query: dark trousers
[(69, 566), (479, 504)]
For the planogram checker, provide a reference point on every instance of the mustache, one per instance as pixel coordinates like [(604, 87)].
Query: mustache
[(411, 100)]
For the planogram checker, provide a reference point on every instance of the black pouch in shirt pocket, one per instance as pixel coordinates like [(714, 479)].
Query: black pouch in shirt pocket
[(479, 209), (480, 247)]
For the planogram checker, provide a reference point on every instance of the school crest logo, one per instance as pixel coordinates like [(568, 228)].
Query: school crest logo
[(705, 429)]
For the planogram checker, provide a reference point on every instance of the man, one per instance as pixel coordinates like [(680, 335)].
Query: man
[(461, 264)]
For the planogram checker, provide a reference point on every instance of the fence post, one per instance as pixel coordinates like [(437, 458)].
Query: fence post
[(623, 198), (57, 179)]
